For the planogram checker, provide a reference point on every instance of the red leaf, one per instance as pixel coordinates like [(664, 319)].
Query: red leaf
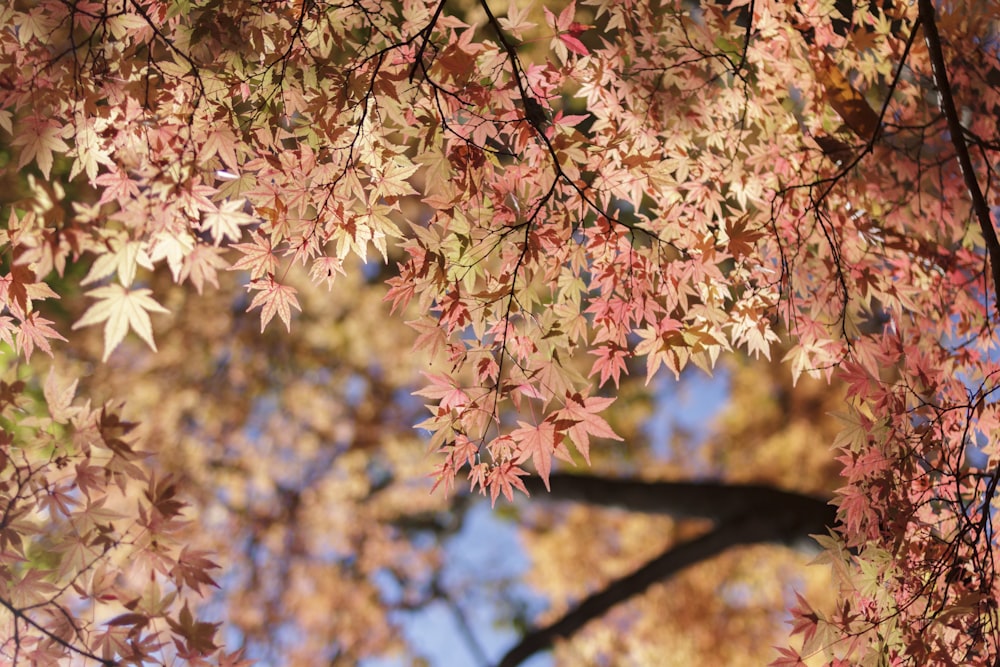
[(789, 658), (538, 443), (36, 332), (610, 362), (505, 478), (573, 44), (582, 413), (192, 570), (274, 298), (804, 619)]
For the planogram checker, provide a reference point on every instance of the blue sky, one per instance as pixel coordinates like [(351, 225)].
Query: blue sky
[(479, 557)]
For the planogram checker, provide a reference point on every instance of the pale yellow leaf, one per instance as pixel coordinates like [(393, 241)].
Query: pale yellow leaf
[(121, 309), (59, 397)]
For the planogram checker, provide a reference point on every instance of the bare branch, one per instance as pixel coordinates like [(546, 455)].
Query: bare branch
[(744, 514), (788, 523), (717, 501)]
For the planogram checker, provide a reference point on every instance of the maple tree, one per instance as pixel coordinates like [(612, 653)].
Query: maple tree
[(560, 199)]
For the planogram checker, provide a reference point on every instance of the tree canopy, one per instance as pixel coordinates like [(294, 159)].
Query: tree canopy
[(542, 211)]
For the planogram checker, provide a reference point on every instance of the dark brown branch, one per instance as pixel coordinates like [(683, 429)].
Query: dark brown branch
[(717, 501), (947, 102), (748, 33), (744, 514), (19, 614), (419, 58), (534, 114), (787, 524)]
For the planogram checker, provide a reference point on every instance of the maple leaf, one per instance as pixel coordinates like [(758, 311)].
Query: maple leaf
[(39, 137), (89, 478), (788, 658), (391, 181), (173, 247), (35, 331), (59, 397), (478, 476), (273, 298), (200, 266), (539, 443), (517, 21), (192, 569), (123, 257), (20, 286), (113, 641), (465, 451), (563, 22), (742, 239), (573, 44), (225, 221), (610, 362), (326, 269), (221, 141), (88, 148), (582, 414), (504, 478), (444, 476), (118, 187), (804, 619), (660, 346), (121, 309), (195, 638), (258, 256), (566, 31), (162, 496), (444, 389)]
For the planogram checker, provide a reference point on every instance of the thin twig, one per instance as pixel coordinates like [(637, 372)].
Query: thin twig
[(20, 615)]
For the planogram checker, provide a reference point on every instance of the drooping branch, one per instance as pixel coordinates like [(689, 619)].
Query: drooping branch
[(717, 501), (947, 102), (767, 521)]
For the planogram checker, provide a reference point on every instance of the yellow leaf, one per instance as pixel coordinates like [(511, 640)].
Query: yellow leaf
[(121, 309), (38, 138), (89, 149), (846, 101)]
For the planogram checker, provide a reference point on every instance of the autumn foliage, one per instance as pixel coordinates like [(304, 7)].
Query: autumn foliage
[(560, 198)]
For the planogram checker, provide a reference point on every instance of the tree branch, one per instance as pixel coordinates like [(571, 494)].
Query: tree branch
[(717, 501), (947, 103), (787, 524), (744, 514), (533, 111), (19, 614)]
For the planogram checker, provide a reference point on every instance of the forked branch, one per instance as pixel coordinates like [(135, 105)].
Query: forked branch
[(744, 515)]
